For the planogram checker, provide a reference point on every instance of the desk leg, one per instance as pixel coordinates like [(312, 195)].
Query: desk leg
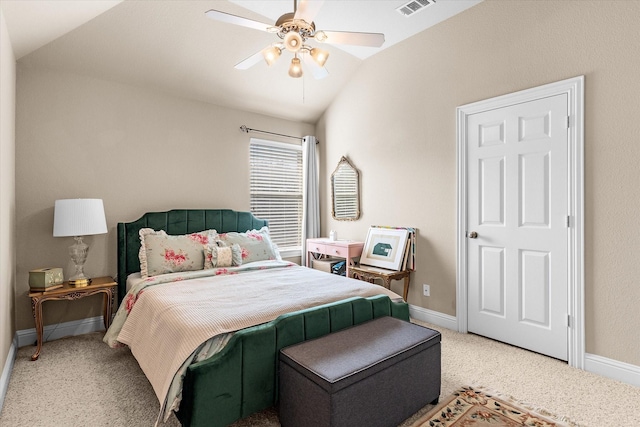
[(36, 307), (405, 294), (387, 282)]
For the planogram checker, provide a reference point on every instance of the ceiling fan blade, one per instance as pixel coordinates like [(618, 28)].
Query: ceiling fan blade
[(237, 20), (350, 38), (308, 9), (317, 71), (250, 61)]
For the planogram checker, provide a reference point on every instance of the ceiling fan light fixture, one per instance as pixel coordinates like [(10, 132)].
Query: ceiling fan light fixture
[(295, 69), (293, 41), (320, 56), (271, 55), (294, 29)]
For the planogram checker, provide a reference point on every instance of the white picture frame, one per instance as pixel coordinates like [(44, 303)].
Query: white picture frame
[(385, 247)]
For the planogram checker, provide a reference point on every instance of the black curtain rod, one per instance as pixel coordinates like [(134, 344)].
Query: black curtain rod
[(245, 129)]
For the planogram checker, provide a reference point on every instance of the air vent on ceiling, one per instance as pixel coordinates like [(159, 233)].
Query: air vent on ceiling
[(414, 6)]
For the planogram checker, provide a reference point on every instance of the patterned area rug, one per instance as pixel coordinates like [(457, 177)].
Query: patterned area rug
[(474, 407)]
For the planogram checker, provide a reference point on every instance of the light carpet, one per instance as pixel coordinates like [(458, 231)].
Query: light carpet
[(79, 381)]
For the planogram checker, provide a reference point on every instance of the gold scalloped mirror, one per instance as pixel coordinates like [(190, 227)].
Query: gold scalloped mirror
[(345, 191)]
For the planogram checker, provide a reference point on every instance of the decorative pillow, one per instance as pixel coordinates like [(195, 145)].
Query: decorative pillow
[(161, 253), (222, 256), (256, 245)]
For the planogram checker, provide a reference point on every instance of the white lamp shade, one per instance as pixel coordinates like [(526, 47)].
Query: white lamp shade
[(271, 55), (319, 55), (295, 69), (79, 217)]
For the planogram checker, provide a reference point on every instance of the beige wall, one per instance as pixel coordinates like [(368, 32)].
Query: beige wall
[(7, 191), (136, 149), (396, 121), (141, 150)]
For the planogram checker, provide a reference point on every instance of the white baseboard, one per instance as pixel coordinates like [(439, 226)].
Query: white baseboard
[(6, 371), (433, 317), (613, 369), (61, 330)]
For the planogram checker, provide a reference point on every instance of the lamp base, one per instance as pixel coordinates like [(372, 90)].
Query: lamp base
[(80, 283), (78, 252)]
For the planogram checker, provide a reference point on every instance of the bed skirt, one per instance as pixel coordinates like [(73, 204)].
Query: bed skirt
[(242, 379)]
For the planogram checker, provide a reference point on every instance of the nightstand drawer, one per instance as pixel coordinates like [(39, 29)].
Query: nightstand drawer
[(318, 248), (336, 251)]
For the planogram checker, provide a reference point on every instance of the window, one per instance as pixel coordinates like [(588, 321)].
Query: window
[(276, 190)]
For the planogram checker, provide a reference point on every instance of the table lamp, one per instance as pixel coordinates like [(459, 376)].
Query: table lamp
[(77, 218)]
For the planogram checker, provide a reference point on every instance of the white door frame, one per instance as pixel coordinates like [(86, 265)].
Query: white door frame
[(574, 88)]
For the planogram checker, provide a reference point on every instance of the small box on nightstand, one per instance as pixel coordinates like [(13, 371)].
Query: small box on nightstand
[(45, 279)]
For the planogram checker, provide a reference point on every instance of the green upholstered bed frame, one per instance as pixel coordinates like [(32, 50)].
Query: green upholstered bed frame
[(243, 379)]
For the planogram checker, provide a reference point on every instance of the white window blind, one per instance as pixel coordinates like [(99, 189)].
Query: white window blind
[(276, 189)]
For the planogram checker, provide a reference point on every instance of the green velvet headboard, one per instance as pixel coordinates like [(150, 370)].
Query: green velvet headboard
[(179, 221)]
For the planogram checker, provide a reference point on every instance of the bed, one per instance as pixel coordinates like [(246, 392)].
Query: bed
[(241, 379)]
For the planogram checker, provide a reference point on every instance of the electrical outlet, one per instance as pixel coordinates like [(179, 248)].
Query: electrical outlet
[(426, 290)]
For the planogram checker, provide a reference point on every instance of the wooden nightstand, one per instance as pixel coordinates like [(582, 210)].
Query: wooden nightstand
[(99, 285)]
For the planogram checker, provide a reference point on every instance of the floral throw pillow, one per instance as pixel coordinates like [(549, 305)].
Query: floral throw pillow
[(161, 253), (223, 256), (256, 245)]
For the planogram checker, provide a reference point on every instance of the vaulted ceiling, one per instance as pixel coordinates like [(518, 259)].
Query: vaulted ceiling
[(173, 47)]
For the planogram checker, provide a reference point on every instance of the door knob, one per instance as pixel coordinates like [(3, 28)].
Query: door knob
[(473, 235)]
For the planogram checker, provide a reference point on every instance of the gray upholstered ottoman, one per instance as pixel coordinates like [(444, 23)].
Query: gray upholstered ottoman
[(377, 373)]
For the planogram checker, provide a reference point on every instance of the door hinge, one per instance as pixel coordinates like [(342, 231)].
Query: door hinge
[(568, 320), (568, 221), (568, 122)]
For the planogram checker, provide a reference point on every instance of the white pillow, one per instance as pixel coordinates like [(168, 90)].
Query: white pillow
[(256, 245), (223, 256)]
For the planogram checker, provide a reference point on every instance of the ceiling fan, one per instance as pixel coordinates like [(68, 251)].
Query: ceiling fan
[(294, 29)]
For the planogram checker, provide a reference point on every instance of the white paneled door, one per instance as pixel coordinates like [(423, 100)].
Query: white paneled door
[(517, 224)]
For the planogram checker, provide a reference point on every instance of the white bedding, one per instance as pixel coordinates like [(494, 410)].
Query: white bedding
[(166, 322), (132, 280)]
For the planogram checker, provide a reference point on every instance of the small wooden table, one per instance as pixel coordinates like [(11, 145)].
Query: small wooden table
[(369, 274), (99, 285)]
